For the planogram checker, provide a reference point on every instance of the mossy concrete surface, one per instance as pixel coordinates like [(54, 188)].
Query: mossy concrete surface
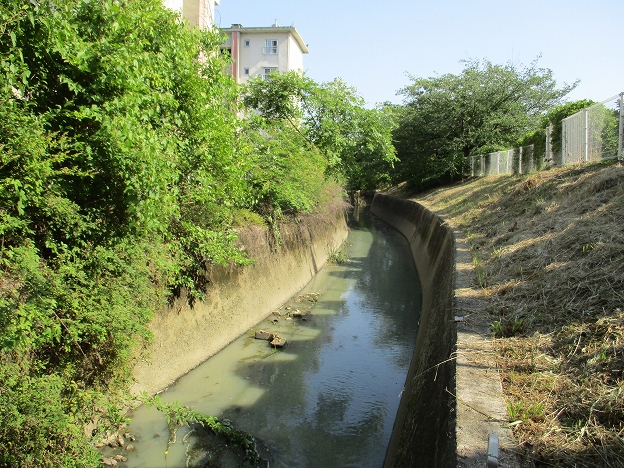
[(452, 398), (238, 297)]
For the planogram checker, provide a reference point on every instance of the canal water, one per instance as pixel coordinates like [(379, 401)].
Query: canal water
[(329, 397)]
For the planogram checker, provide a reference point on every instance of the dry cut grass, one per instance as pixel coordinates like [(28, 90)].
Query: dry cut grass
[(549, 251)]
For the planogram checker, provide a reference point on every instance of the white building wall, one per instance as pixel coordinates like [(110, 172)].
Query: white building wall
[(295, 55), (210, 12), (196, 12), (248, 51), (175, 5)]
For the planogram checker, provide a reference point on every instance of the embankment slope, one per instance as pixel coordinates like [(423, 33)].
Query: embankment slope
[(548, 256), (238, 298)]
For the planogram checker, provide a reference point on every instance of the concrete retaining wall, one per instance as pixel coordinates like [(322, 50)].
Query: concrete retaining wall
[(238, 298), (424, 431)]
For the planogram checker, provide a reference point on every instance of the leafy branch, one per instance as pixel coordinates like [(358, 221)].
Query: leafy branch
[(178, 415)]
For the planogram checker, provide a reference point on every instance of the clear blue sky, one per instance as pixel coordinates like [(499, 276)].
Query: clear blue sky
[(372, 45)]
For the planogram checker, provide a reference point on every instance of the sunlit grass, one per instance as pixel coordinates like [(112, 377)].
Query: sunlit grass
[(548, 251)]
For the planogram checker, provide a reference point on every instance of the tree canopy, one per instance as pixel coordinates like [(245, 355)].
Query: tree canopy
[(446, 118), (355, 142), (124, 170), (118, 183)]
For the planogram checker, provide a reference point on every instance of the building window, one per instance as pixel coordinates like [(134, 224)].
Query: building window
[(246, 71), (270, 47), (267, 72), (246, 42)]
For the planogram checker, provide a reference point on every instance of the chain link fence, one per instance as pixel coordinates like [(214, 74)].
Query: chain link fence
[(593, 134), (513, 161)]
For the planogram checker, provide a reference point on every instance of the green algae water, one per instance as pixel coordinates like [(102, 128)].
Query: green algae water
[(329, 397)]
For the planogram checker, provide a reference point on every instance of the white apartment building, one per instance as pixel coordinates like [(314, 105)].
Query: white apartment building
[(196, 12), (263, 50)]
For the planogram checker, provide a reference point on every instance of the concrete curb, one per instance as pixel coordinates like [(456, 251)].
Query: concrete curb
[(480, 406)]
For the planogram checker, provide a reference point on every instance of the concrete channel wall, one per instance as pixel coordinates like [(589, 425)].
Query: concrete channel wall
[(424, 431), (238, 298)]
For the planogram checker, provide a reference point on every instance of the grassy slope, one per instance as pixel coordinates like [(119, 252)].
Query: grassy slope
[(549, 256)]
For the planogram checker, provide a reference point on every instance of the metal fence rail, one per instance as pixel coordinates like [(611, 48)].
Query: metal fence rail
[(512, 161), (593, 134)]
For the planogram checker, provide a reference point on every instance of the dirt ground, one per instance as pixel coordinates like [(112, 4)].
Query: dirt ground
[(546, 290)]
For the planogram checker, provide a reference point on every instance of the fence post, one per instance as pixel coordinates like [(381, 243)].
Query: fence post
[(564, 142), (621, 138), (548, 155), (586, 155)]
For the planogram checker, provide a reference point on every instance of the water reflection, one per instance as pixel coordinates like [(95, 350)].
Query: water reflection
[(329, 399)]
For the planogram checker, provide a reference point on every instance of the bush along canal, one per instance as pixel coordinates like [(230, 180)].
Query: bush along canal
[(326, 393)]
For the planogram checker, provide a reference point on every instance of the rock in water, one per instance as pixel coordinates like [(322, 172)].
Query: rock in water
[(263, 335), (278, 342)]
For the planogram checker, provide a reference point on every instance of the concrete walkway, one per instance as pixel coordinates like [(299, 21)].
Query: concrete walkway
[(481, 408)]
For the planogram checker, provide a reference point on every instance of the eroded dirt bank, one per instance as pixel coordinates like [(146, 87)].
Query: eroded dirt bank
[(239, 298)]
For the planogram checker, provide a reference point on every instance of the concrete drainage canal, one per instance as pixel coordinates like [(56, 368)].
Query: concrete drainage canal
[(327, 398)]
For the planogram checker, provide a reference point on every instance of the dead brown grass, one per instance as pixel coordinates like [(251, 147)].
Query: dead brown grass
[(551, 250)]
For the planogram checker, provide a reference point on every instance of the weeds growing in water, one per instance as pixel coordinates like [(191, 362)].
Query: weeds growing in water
[(337, 256)]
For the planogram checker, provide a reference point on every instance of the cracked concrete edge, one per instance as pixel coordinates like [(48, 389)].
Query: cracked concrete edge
[(480, 405)]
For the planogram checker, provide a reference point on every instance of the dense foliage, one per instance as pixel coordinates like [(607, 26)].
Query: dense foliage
[(123, 170), (117, 174), (485, 108), (553, 118), (328, 118)]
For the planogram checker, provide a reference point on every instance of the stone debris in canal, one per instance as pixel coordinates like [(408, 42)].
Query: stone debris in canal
[(299, 306), (278, 342), (264, 335), (273, 339)]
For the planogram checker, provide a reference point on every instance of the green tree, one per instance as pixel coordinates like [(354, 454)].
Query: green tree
[(449, 117), (355, 142), (118, 180), (285, 174), (285, 171)]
